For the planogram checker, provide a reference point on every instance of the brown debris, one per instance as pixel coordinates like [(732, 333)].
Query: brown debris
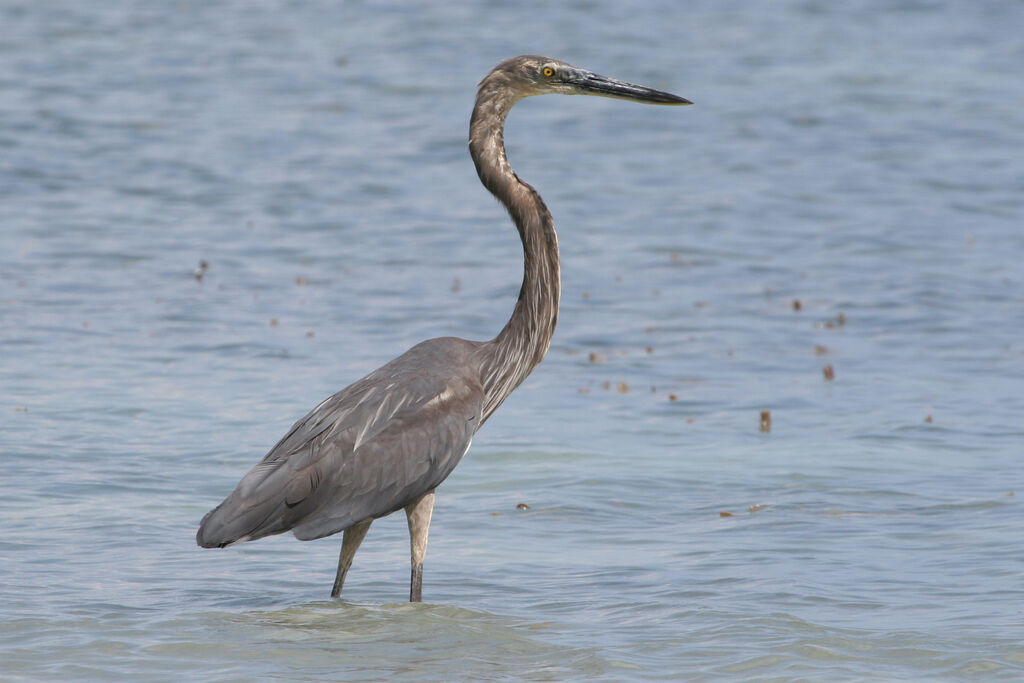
[(833, 324), (522, 506), (766, 421), (829, 372)]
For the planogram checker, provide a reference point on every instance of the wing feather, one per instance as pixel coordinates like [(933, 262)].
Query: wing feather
[(365, 452)]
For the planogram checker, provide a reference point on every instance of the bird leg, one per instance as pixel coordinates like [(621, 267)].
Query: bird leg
[(354, 535), (418, 515)]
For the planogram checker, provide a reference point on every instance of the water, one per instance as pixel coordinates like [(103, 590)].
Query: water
[(862, 159)]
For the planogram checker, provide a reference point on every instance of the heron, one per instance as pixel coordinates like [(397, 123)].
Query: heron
[(387, 441)]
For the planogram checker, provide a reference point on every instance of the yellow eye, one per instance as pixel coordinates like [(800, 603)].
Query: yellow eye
[(548, 72)]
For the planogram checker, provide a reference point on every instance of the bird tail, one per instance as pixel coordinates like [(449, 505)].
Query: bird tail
[(243, 516), (228, 524)]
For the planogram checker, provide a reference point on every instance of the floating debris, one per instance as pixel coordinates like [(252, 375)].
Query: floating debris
[(522, 506), (829, 372), (672, 397), (766, 421), (456, 285), (928, 419), (622, 387), (597, 358), (300, 280), (833, 324), (820, 350), (649, 349), (201, 270), (756, 507), (606, 385), (725, 514), (583, 390), (309, 333), (797, 306), (273, 322)]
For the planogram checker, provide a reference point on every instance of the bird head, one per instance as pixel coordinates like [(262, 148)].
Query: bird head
[(536, 75)]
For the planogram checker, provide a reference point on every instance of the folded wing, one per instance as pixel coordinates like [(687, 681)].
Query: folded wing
[(371, 449)]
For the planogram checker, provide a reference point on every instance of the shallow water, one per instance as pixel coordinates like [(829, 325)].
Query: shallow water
[(862, 161)]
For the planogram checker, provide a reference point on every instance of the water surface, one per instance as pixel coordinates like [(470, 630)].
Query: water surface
[(862, 161)]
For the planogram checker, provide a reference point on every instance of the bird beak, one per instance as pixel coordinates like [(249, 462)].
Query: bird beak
[(587, 83)]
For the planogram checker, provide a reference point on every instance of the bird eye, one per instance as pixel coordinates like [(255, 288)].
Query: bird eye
[(548, 72)]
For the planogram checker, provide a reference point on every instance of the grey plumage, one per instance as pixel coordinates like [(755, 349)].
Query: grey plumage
[(365, 452), (387, 441)]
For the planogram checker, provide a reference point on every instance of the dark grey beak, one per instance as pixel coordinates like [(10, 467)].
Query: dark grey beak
[(587, 83)]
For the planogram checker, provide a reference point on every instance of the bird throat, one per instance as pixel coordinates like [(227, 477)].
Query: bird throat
[(521, 345)]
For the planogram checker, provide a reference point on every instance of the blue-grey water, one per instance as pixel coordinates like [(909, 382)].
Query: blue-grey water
[(863, 159)]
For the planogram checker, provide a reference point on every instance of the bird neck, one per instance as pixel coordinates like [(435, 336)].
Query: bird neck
[(524, 341)]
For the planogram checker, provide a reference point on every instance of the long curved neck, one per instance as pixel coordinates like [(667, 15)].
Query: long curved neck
[(521, 345)]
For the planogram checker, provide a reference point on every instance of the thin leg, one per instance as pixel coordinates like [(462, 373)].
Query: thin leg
[(354, 535), (418, 515)]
